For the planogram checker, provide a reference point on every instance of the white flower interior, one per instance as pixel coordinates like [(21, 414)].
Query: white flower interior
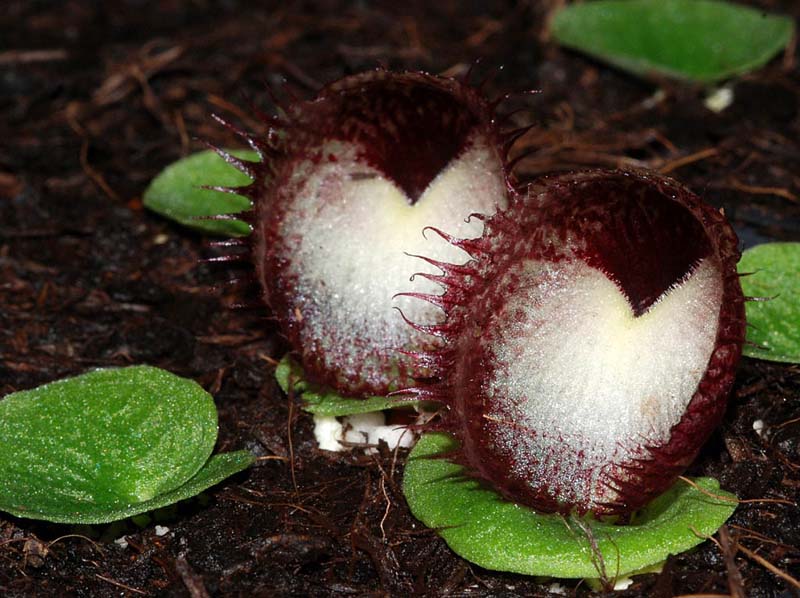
[(348, 232), (596, 383)]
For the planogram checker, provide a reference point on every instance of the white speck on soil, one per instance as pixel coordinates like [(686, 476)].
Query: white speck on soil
[(719, 99)]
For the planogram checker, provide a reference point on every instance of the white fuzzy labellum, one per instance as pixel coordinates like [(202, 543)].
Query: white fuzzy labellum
[(593, 381), (353, 230)]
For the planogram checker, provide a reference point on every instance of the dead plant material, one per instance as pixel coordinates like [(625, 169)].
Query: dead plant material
[(16, 57), (770, 567), (686, 160), (729, 546), (759, 190), (122, 585), (192, 581), (94, 175), (737, 501), (124, 78)]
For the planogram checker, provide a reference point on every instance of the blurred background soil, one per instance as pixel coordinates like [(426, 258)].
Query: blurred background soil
[(97, 97)]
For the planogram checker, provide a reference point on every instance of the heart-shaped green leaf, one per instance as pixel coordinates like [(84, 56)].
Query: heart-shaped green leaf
[(485, 529), (108, 444), (177, 192), (699, 40), (323, 401), (773, 274)]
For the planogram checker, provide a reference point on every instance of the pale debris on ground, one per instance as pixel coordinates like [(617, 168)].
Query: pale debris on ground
[(363, 428), (719, 99)]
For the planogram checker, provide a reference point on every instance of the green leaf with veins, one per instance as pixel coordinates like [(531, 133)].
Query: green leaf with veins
[(177, 192), (108, 444), (698, 40), (773, 275), (323, 401), (492, 533)]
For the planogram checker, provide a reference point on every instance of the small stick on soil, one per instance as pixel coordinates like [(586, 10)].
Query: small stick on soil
[(192, 581), (388, 505), (752, 555), (788, 422), (93, 175), (743, 501), (758, 190), (729, 547), (685, 160), (745, 533), (31, 56), (272, 458), (96, 546), (769, 566), (121, 585), (290, 440)]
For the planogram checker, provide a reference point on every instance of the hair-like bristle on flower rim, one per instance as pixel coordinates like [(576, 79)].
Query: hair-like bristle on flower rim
[(591, 342), (346, 185)]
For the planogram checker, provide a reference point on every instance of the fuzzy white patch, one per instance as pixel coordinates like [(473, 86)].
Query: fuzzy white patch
[(364, 428), (623, 583), (593, 382), (719, 99), (352, 234), (328, 431)]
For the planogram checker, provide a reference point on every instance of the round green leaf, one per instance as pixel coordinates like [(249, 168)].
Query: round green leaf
[(177, 192), (773, 274), (484, 529), (82, 448), (324, 401), (699, 40), (216, 469)]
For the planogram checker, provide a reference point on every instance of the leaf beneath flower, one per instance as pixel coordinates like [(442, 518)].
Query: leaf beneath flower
[(322, 401), (492, 533)]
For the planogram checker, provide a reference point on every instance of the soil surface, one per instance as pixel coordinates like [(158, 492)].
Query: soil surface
[(97, 97)]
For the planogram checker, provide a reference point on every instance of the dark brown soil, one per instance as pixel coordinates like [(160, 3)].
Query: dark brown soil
[(96, 98)]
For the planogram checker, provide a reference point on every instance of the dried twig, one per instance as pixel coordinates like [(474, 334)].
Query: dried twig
[(769, 566), (119, 584), (686, 160), (729, 546), (30, 56), (191, 579)]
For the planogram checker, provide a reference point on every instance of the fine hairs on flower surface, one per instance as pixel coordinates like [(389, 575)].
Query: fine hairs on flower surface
[(591, 342), (581, 334), (346, 185)]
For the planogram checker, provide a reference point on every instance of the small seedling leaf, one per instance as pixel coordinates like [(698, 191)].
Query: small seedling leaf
[(697, 40), (177, 193), (488, 531), (774, 319), (106, 445), (321, 401)]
